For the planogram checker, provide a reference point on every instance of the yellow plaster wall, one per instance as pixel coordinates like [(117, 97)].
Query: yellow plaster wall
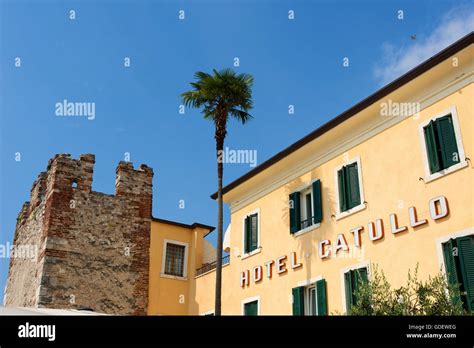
[(391, 164), (168, 295)]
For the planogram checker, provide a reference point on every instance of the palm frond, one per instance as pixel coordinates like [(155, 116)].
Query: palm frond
[(240, 115), (224, 91)]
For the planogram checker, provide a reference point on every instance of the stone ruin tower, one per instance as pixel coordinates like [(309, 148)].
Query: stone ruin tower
[(92, 249)]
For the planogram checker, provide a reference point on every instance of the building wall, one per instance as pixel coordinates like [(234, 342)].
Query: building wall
[(208, 252), (205, 289), (25, 273), (93, 248), (391, 164), (170, 295)]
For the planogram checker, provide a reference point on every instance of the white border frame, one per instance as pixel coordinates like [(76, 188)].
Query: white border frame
[(307, 301), (248, 300), (439, 241), (457, 132), (243, 254), (362, 205), (308, 282), (163, 260), (343, 271), (307, 229)]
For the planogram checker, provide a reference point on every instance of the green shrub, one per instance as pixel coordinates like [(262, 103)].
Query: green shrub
[(431, 297)]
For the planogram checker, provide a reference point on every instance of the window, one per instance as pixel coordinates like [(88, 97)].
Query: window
[(349, 192), (311, 299), (441, 144), (251, 308), (311, 307), (459, 262), (175, 255), (174, 259), (306, 207), (251, 233), (352, 281)]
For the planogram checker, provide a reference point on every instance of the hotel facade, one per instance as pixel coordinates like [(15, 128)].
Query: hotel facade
[(389, 184)]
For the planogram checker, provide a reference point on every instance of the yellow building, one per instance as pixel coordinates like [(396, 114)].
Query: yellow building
[(177, 251), (388, 182)]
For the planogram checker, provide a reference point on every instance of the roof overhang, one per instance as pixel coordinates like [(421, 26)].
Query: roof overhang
[(179, 224), (367, 102)]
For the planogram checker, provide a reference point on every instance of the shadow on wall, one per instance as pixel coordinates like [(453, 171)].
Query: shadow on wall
[(309, 251)]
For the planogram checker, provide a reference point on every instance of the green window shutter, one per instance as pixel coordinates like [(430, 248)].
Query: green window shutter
[(251, 308), (247, 235), (295, 213), (298, 300), (317, 202), (359, 276), (449, 262), (432, 148), (466, 259), (352, 181), (341, 182), (348, 287), (352, 280), (362, 275), (321, 297), (447, 141)]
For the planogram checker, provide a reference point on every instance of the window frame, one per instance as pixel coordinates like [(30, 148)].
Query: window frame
[(428, 177), (303, 206), (339, 215), (185, 261), (308, 283), (250, 300), (244, 255), (307, 302), (444, 239), (343, 271), (300, 190)]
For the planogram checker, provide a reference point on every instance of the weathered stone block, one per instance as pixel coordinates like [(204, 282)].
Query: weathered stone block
[(92, 247)]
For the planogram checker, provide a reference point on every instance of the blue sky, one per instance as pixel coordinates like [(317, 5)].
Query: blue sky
[(294, 62)]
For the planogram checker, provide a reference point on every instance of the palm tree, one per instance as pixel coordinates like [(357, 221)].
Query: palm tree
[(223, 94)]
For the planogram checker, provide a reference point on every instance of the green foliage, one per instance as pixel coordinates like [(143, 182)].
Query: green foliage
[(431, 297), (221, 94)]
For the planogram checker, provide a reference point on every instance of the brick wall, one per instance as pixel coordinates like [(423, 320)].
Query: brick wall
[(93, 248)]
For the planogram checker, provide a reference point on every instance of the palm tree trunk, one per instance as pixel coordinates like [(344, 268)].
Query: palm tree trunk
[(220, 169)]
